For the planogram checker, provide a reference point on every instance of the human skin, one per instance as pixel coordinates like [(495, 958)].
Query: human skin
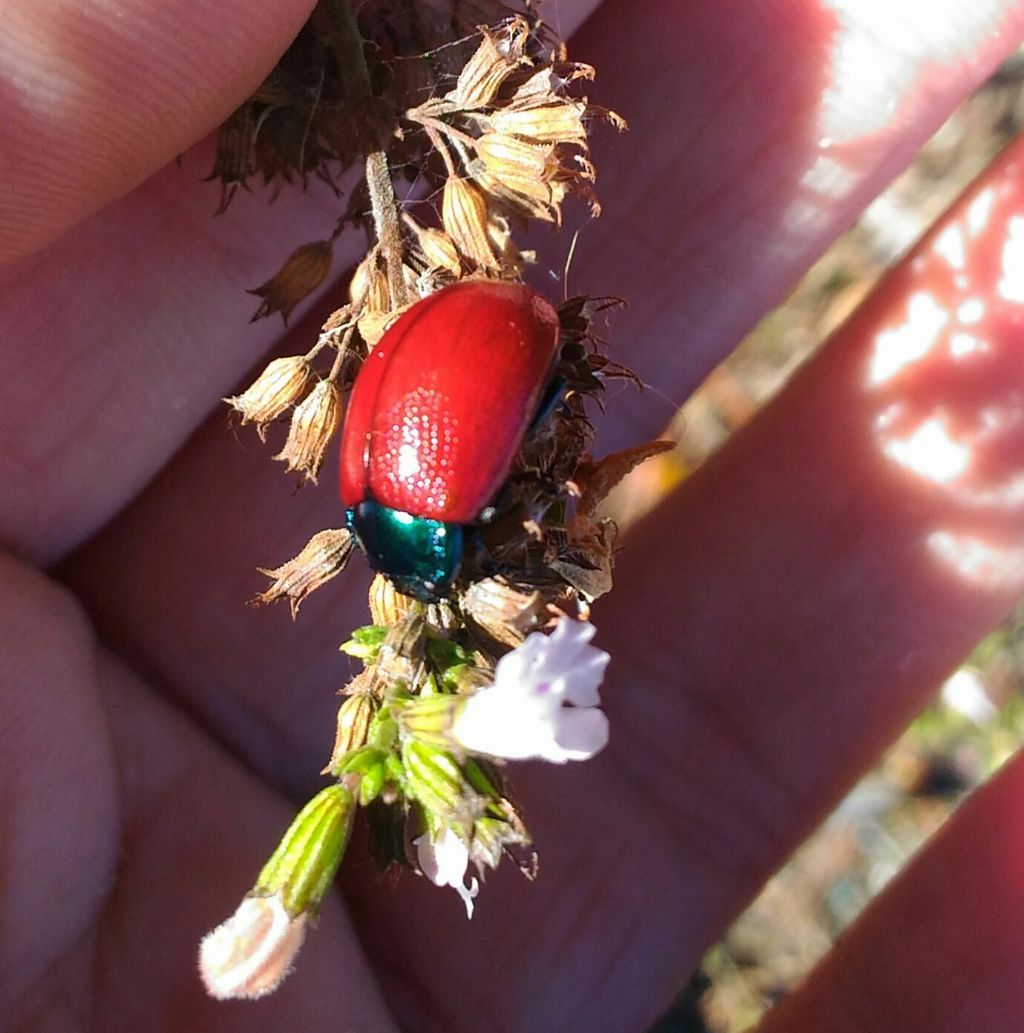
[(775, 622)]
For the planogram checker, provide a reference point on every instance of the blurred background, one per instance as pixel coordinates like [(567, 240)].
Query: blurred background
[(977, 718)]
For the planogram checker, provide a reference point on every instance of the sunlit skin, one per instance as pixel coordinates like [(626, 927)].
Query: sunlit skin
[(775, 623)]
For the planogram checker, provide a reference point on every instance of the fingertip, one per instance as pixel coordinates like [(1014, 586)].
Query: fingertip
[(97, 96)]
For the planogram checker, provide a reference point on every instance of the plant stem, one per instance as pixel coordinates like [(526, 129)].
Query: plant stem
[(347, 43), (385, 222)]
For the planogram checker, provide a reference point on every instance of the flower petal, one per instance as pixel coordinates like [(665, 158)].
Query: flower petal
[(579, 733), (250, 953), (443, 860), (522, 714)]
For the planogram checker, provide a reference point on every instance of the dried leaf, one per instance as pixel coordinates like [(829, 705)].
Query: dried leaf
[(587, 565), (601, 477)]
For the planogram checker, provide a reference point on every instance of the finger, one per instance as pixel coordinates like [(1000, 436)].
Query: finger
[(125, 837), (98, 96), (59, 803), (758, 133), (942, 948), (118, 340)]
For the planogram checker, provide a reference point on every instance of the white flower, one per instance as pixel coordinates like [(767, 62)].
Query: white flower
[(250, 953), (443, 860), (523, 714)]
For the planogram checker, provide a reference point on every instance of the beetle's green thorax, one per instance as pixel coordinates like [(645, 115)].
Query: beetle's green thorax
[(419, 555)]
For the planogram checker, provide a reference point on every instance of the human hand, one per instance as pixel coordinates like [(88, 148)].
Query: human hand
[(774, 625)]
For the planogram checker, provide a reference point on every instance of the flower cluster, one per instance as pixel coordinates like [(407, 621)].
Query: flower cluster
[(517, 135), (514, 143), (501, 667), (425, 759)]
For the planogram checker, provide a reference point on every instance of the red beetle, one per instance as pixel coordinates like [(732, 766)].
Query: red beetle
[(436, 416)]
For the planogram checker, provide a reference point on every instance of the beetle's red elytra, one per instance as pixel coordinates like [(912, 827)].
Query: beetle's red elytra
[(435, 418)]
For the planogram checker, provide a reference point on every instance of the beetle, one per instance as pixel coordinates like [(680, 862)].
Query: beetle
[(435, 418)]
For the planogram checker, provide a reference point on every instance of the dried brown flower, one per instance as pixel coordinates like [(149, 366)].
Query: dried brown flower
[(587, 562), (303, 271), (439, 250), (503, 612), (323, 557), (598, 479), (496, 58), (559, 122), (466, 219), (279, 386), (313, 424), (354, 717)]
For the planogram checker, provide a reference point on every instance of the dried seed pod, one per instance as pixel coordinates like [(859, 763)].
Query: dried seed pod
[(369, 285), (506, 613), (494, 60), (388, 605), (561, 122), (354, 717), (509, 158), (280, 385), (438, 249), (526, 195), (303, 271), (323, 557), (466, 219), (313, 424)]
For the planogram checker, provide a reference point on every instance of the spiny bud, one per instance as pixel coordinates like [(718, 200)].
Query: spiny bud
[(323, 557), (465, 216), (313, 424), (303, 271), (280, 385)]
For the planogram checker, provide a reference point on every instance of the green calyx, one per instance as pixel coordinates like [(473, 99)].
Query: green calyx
[(434, 779), (301, 869)]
